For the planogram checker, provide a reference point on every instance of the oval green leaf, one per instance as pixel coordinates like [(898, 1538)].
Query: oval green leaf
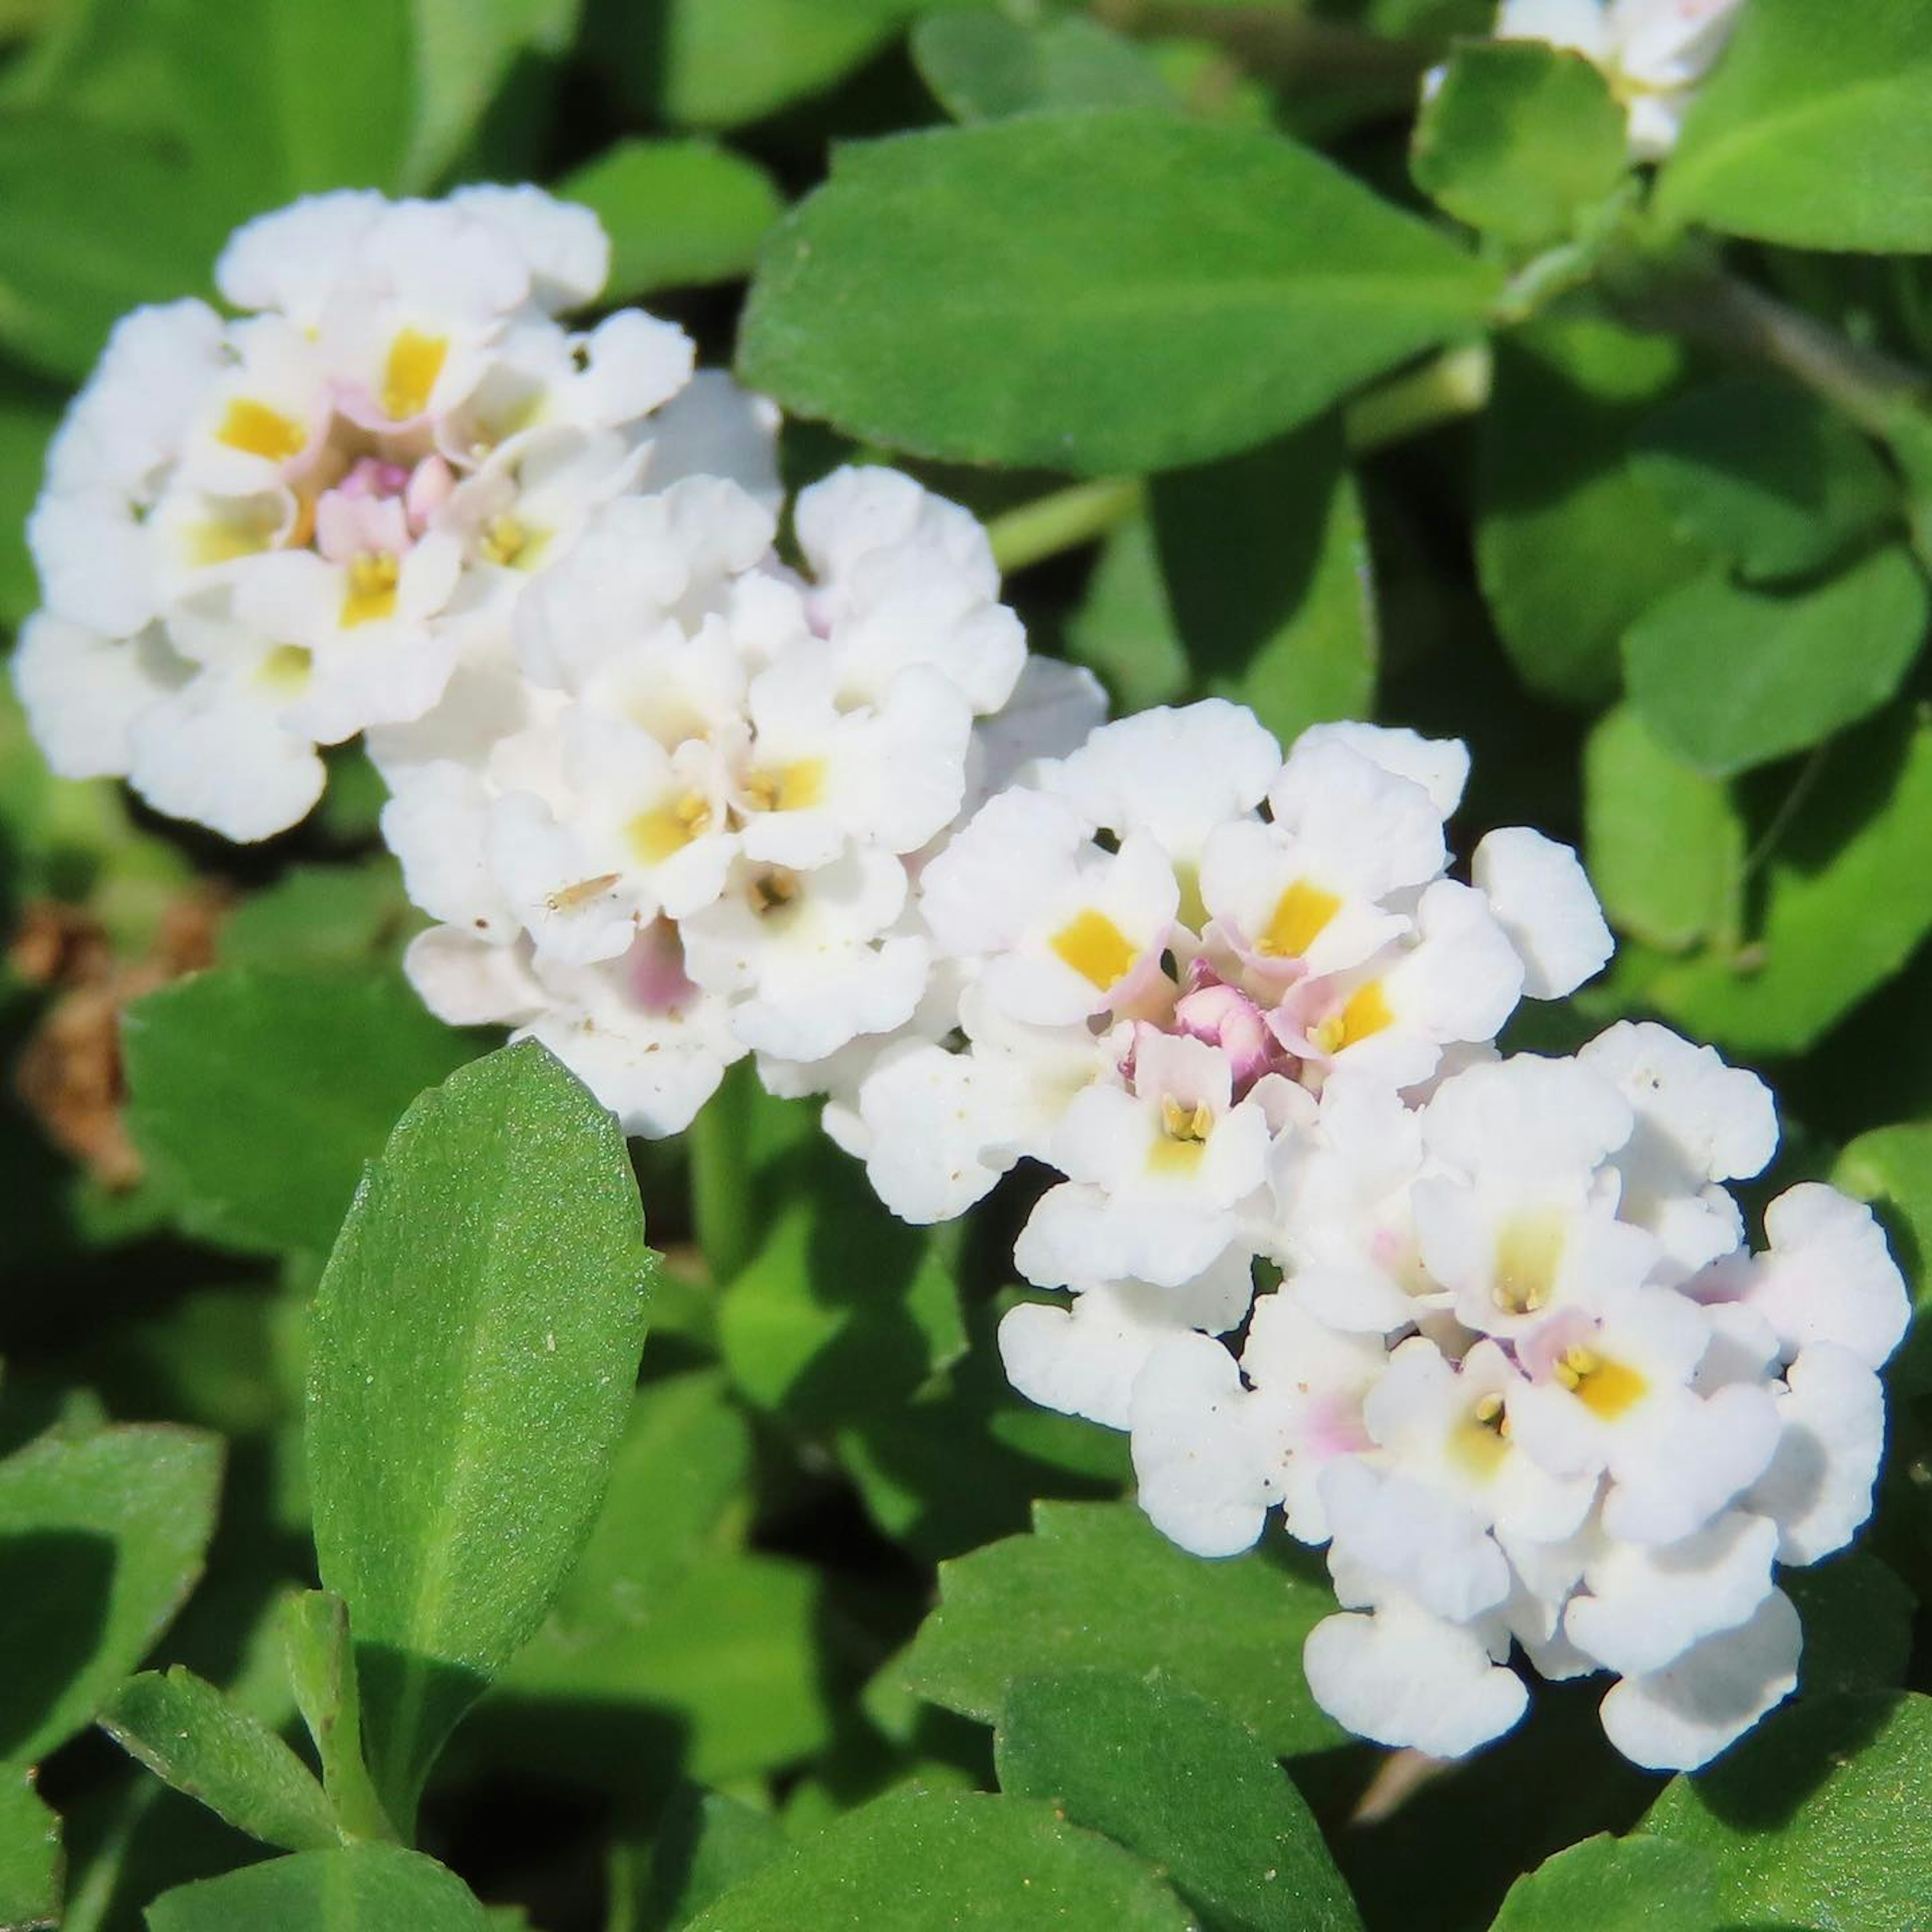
[(1093, 292), (476, 1346)]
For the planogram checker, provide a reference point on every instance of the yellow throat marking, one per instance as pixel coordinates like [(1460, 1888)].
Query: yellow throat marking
[(1095, 948), (414, 362)]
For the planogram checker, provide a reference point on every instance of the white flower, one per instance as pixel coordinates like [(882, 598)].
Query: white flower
[(1172, 776), (1612, 1394), (1084, 1360), (1065, 928), (941, 1127), (1519, 1220), (1203, 1481), (1818, 1488), (1157, 1176), (1401, 1676), (1698, 1123), (1538, 890), (1828, 1275), (1643, 1607), (1682, 1717)]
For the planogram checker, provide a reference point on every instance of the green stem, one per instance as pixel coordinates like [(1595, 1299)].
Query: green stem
[(721, 1192), (1063, 521), (1444, 389), (1704, 305)]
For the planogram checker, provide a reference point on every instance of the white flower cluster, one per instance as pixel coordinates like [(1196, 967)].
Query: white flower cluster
[(1520, 1372), (1654, 53), (264, 534)]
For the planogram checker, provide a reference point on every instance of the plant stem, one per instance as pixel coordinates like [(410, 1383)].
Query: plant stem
[(1063, 521), (1447, 387), (720, 1194), (1704, 304)]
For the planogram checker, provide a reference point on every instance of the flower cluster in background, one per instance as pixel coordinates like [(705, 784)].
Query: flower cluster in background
[(265, 534), (681, 774)]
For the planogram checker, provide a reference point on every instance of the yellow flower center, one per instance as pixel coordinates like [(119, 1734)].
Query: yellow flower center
[(286, 669), (1365, 1011), (1183, 1139), (654, 835), (372, 577), (1300, 916), (415, 360), (1607, 1389), (773, 891), (1529, 1251), (796, 787), (1479, 1442), (258, 430), (1095, 948)]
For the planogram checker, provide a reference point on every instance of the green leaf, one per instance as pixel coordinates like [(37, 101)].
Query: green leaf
[(475, 1345), (676, 1494), (1250, 579), (97, 222), (1821, 1818), (981, 67), (929, 1861), (842, 1311), (283, 97), (1664, 845), (679, 214), (1812, 131), (1892, 1168), (1728, 676), (186, 1733), (717, 1676), (357, 1888), (1265, 561), (1177, 1781), (320, 1654), (1519, 139), (1123, 628), (464, 55), (320, 915), (1857, 1615), (257, 1093), (705, 1843), (101, 1538), (1094, 292), (30, 1863), (1613, 1885), (721, 63), (1764, 475), (1569, 546), (1098, 1580), (963, 1461), (1836, 922)]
